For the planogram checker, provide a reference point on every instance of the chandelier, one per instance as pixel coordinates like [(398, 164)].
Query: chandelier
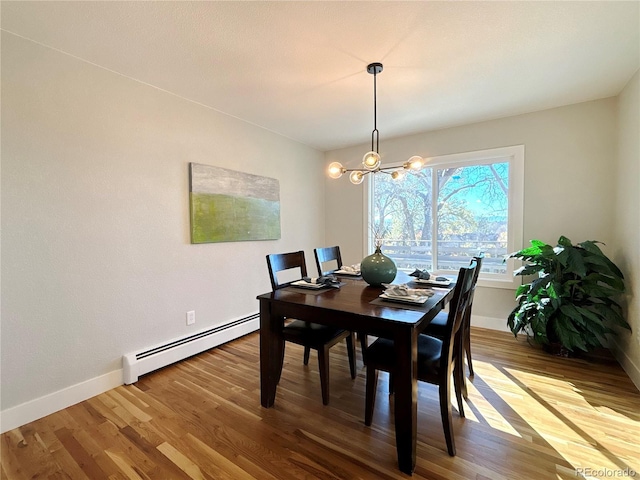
[(371, 160)]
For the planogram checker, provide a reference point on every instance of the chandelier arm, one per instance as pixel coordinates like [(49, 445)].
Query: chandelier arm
[(364, 172), (385, 169)]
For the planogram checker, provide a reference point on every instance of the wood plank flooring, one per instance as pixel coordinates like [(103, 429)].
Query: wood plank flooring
[(529, 416)]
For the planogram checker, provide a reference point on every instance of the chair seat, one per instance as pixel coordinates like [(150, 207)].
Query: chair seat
[(310, 333), (438, 326), (381, 354)]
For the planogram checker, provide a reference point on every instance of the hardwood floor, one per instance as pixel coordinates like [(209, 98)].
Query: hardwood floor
[(529, 416)]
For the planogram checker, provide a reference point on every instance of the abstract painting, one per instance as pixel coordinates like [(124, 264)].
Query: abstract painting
[(231, 206)]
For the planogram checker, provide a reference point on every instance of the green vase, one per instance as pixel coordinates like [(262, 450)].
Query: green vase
[(377, 269)]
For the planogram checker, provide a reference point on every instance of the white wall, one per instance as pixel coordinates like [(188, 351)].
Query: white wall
[(627, 222), (569, 182), (96, 257)]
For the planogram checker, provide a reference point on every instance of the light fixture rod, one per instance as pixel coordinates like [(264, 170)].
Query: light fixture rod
[(375, 69)]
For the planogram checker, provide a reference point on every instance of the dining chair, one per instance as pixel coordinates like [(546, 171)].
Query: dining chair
[(310, 335), (438, 359), (325, 255), (437, 327), (330, 254)]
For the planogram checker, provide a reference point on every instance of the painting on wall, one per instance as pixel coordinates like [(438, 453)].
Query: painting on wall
[(231, 206)]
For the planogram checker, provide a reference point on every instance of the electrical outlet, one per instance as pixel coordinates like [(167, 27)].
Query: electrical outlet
[(191, 317)]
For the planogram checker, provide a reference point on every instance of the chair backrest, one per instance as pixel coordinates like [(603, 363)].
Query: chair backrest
[(478, 259), (327, 254), (457, 312), (279, 262)]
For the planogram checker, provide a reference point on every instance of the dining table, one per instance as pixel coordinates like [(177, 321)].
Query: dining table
[(355, 306)]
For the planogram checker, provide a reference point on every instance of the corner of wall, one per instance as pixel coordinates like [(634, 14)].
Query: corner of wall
[(626, 362)]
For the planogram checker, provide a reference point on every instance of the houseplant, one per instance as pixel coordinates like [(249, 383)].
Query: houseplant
[(572, 301)]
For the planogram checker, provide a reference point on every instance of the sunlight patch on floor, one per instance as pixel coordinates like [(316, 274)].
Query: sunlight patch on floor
[(584, 415), (487, 412), (553, 410)]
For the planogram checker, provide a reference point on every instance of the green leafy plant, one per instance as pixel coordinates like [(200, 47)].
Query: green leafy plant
[(572, 301)]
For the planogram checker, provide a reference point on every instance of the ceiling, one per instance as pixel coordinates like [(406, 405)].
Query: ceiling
[(299, 68)]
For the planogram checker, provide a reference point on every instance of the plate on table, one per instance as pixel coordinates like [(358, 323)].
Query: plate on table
[(345, 272), (441, 283), (311, 286), (414, 300)]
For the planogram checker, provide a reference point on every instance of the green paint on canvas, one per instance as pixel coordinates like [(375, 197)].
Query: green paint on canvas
[(224, 218)]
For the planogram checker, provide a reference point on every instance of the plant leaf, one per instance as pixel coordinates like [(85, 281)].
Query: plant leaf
[(564, 241), (538, 284), (571, 259), (571, 312), (528, 269), (603, 261), (590, 246), (614, 282), (611, 315), (522, 289), (598, 290), (567, 334)]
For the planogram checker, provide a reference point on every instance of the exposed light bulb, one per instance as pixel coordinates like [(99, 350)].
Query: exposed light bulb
[(356, 177), (397, 174), (371, 160), (336, 170), (414, 163)]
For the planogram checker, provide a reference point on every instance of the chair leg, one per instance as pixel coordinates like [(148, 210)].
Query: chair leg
[(364, 343), (351, 350), (323, 364), (372, 385), (462, 383), (459, 369), (307, 350), (445, 413), (458, 385), (467, 349), (281, 363)]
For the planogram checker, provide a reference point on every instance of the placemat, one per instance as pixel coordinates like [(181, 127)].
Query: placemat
[(309, 291), (450, 286), (425, 307)]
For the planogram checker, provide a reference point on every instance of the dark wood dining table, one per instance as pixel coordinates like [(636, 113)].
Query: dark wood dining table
[(356, 307)]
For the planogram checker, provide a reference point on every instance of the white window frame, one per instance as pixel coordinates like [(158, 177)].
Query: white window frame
[(514, 155)]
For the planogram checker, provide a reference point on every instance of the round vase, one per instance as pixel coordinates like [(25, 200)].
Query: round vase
[(377, 269)]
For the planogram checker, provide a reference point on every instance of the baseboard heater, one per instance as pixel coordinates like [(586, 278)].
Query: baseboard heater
[(136, 364)]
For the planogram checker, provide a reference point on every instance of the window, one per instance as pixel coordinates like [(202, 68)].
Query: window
[(455, 207)]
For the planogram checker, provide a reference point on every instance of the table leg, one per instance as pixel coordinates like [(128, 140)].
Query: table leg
[(405, 384), (271, 353)]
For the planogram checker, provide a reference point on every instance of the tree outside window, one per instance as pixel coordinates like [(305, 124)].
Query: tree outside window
[(440, 217)]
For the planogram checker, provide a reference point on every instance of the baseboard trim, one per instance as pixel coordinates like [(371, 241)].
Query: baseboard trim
[(19, 415), (626, 362), (24, 413), (151, 359)]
